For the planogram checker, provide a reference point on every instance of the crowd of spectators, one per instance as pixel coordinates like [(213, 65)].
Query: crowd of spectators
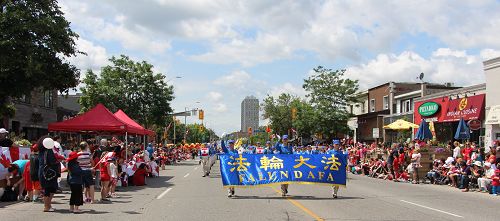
[(464, 166), (87, 167)]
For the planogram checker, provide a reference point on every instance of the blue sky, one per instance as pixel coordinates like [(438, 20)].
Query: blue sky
[(225, 50)]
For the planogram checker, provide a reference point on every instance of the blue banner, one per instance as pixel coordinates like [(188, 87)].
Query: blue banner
[(262, 169)]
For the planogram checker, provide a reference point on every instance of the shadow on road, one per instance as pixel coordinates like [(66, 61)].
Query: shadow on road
[(158, 182), (295, 198)]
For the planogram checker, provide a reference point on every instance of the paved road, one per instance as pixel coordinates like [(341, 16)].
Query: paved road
[(182, 194)]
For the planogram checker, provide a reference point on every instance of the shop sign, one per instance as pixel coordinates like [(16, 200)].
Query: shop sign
[(469, 108), (474, 124), (428, 109)]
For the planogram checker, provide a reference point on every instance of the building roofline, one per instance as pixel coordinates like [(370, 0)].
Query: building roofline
[(491, 63), (472, 89)]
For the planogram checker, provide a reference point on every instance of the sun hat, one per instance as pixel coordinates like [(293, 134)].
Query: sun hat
[(477, 163), (487, 164), (3, 131)]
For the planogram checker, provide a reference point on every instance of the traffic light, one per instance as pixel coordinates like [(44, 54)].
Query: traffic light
[(202, 128), (249, 131), (201, 114)]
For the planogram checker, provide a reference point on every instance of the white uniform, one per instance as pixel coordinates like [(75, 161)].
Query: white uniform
[(205, 160)]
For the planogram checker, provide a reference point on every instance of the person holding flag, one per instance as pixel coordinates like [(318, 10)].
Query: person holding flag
[(229, 150), (284, 148), (335, 151), (105, 174)]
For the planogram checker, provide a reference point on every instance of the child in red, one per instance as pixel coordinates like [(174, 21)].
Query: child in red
[(395, 166), (105, 178), (495, 183), (139, 177)]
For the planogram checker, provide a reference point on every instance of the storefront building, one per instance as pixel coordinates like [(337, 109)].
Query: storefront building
[(445, 109), (492, 72)]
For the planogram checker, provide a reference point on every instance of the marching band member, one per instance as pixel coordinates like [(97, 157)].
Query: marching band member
[(250, 149), (260, 149), (335, 150), (284, 148), (229, 150), (204, 153), (213, 155)]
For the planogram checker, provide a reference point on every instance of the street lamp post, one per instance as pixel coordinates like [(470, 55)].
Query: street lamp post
[(185, 120), (176, 77)]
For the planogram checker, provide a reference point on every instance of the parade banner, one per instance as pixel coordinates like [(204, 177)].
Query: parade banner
[(243, 170)]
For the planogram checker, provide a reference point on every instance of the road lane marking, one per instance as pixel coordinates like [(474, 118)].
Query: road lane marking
[(300, 206), (186, 175), (163, 194), (426, 207)]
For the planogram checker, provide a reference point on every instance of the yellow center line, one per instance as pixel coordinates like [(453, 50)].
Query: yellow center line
[(300, 206)]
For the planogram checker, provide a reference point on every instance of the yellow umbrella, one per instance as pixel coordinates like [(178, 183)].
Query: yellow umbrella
[(400, 125)]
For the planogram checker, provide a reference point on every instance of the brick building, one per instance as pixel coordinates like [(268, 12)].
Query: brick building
[(34, 112)]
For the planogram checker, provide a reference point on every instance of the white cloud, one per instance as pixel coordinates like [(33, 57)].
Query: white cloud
[(257, 32), (95, 58), (487, 54), (214, 96), (104, 22), (445, 65), (220, 108), (248, 52), (234, 79), (288, 88)]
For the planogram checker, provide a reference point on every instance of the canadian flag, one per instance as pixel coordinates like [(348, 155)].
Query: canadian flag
[(105, 158)]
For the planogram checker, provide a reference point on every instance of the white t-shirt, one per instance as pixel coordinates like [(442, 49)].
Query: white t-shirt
[(456, 152), (153, 165), (416, 159), (112, 168)]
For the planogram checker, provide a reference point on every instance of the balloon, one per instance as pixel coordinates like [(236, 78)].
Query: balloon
[(48, 143)]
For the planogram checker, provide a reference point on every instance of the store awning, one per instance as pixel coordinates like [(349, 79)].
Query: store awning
[(468, 108), (401, 125), (493, 115)]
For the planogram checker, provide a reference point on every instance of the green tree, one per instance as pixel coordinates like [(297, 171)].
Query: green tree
[(130, 86), (287, 112), (306, 118), (330, 93), (278, 111), (35, 39), (199, 134)]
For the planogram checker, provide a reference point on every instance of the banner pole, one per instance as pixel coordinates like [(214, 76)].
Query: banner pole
[(126, 146)]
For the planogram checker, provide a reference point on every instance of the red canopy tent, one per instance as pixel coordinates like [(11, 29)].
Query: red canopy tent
[(125, 118), (98, 119)]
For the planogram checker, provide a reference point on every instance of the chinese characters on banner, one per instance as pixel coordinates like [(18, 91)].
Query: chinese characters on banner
[(258, 169)]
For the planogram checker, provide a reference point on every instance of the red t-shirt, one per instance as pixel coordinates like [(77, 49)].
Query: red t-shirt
[(495, 181), (395, 164), (466, 153), (140, 177)]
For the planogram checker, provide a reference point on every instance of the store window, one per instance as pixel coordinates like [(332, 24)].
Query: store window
[(48, 99), (372, 105), (386, 102), (406, 106)]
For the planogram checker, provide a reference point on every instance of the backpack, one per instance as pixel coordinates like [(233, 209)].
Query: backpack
[(48, 173)]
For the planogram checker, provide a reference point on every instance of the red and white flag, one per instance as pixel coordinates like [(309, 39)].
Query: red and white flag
[(105, 158)]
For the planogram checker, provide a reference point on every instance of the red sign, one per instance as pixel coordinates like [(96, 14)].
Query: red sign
[(469, 108), (474, 124)]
